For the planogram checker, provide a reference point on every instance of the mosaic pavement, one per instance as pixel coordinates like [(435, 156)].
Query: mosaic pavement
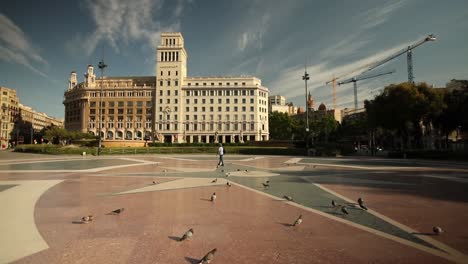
[(43, 199)]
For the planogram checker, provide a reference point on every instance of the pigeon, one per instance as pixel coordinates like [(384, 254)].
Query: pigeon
[(344, 210), (334, 203), (315, 166), (118, 211), (90, 217), (228, 174), (289, 198), (361, 203), (298, 221), (246, 170), (215, 180), (228, 184), (437, 230), (266, 184), (238, 169), (154, 182), (187, 235), (213, 197), (222, 170), (208, 257), (85, 219)]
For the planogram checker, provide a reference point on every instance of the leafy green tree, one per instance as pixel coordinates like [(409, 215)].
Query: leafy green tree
[(280, 126)]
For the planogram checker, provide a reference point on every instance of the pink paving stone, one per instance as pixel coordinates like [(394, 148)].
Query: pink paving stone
[(245, 227), (420, 212)]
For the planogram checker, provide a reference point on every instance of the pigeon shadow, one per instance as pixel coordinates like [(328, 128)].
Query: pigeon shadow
[(192, 260), (174, 238), (77, 222), (335, 213), (285, 224), (423, 233), (204, 199)]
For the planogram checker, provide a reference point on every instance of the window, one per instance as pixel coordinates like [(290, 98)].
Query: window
[(236, 109), (227, 109), (121, 104), (211, 101), (168, 73), (187, 101), (235, 84), (187, 109), (130, 111), (149, 104), (219, 109), (111, 111), (176, 83), (235, 101), (243, 83), (161, 73), (251, 100), (212, 84), (251, 109), (195, 101), (211, 109), (160, 92), (168, 83), (160, 83), (168, 101), (228, 101), (120, 111), (203, 101), (176, 92), (168, 92), (92, 104), (243, 109), (187, 117), (176, 73), (220, 101), (195, 109)]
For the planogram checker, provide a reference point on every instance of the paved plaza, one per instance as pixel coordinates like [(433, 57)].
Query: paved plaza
[(43, 199)]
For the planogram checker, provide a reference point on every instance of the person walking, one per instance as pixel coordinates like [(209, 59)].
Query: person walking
[(221, 154)]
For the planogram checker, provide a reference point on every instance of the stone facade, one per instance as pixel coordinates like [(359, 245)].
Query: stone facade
[(170, 106)]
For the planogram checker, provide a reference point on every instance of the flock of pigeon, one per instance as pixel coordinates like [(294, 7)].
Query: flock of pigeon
[(210, 255)]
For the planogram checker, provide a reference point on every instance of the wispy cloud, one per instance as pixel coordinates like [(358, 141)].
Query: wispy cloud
[(253, 37), (378, 15), (15, 46), (121, 22)]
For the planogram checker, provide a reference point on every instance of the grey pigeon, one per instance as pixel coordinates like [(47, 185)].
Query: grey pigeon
[(266, 184), (228, 174), (215, 180), (154, 182), (222, 170), (344, 210), (361, 203), (289, 198), (187, 235), (85, 219), (90, 217), (246, 170), (213, 197), (315, 166), (334, 203), (208, 257), (228, 184), (298, 221), (437, 230), (118, 211)]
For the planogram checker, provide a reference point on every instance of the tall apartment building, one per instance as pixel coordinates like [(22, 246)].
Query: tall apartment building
[(170, 106)]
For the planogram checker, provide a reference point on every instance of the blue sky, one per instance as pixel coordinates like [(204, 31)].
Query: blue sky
[(41, 42)]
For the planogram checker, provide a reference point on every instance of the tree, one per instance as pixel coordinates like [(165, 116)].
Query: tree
[(402, 108), (280, 126)]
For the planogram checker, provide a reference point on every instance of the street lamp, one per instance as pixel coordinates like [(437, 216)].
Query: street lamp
[(306, 78), (101, 66)]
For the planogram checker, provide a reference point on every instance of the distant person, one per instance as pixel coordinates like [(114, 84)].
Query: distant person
[(221, 154)]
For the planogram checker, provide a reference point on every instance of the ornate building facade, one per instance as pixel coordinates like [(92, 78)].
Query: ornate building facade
[(170, 106)]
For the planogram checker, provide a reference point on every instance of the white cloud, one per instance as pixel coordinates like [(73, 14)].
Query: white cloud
[(378, 15), (16, 48), (121, 21), (253, 37)]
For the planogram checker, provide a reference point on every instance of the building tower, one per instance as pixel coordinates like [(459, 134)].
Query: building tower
[(72, 82), (171, 70), (310, 102), (90, 77)]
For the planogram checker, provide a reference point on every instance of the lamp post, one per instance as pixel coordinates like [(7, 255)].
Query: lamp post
[(306, 78), (101, 66)]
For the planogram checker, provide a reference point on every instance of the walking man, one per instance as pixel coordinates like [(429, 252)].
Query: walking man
[(221, 154)]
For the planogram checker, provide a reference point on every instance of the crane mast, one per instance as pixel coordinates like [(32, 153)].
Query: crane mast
[(354, 80)]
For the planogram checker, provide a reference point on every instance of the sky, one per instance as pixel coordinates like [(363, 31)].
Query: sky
[(41, 42)]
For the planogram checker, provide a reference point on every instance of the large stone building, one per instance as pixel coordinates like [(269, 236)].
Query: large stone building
[(9, 112), (277, 103), (19, 122), (170, 106)]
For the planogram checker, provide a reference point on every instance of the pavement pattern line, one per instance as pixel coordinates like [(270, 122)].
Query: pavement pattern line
[(462, 258), (456, 258), (19, 234), (293, 160), (393, 168), (183, 183), (189, 169)]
